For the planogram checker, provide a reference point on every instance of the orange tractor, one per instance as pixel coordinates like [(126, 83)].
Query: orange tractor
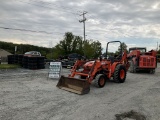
[(141, 60), (84, 73)]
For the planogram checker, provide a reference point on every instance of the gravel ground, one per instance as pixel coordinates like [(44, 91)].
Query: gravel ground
[(30, 95)]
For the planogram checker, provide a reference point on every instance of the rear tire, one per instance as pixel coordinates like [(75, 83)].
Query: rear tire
[(100, 81), (120, 74)]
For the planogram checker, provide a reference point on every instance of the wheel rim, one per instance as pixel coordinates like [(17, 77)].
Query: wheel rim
[(122, 74), (102, 81)]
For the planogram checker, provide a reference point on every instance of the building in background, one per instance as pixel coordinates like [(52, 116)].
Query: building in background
[(3, 55)]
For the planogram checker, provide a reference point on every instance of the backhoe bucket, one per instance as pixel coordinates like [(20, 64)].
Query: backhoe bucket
[(78, 86)]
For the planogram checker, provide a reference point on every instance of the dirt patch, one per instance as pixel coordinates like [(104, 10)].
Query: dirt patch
[(131, 115)]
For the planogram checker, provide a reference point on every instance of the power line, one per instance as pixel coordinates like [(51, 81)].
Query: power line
[(25, 30), (50, 7), (38, 23), (42, 5), (65, 8), (62, 7), (100, 21), (45, 7), (58, 6)]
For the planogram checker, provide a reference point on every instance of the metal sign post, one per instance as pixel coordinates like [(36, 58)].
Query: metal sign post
[(15, 49)]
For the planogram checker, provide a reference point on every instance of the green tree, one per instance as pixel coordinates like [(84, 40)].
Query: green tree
[(88, 49), (70, 44), (92, 49), (123, 46), (75, 44), (78, 45), (96, 48), (57, 51), (67, 44)]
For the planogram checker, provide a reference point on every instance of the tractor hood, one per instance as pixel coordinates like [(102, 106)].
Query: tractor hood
[(88, 65)]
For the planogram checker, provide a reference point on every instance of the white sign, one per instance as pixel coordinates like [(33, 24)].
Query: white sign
[(55, 69)]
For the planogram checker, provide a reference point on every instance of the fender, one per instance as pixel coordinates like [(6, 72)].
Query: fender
[(114, 66)]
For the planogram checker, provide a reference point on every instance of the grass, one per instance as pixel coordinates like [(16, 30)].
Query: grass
[(9, 66)]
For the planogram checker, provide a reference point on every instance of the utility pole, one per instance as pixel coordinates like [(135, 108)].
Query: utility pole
[(83, 20)]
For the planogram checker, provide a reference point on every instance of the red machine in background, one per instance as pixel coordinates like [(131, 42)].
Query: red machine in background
[(141, 60)]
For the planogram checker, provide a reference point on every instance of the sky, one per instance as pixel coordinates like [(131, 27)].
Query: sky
[(44, 22)]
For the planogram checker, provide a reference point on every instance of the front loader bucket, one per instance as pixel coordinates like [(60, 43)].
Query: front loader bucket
[(74, 85)]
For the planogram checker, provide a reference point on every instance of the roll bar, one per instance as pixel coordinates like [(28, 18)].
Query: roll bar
[(113, 42)]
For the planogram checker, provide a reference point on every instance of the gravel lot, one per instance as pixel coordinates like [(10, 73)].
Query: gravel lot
[(30, 95)]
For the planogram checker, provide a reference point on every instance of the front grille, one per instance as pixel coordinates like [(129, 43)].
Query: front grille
[(148, 61)]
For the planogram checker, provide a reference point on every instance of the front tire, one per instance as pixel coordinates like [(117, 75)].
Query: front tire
[(120, 74), (100, 81)]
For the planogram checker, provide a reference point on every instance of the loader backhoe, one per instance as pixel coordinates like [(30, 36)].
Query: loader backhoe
[(98, 71)]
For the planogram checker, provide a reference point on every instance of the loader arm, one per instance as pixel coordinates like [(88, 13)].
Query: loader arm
[(95, 68), (77, 65)]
